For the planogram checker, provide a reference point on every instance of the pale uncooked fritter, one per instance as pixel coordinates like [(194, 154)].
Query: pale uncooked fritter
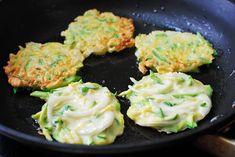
[(81, 113), (43, 66), (169, 102), (169, 51), (98, 33)]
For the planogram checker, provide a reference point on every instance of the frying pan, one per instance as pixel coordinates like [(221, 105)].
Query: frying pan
[(42, 21)]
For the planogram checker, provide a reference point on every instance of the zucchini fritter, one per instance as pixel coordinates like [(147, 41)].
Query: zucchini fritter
[(170, 102), (43, 66), (171, 51), (80, 113), (98, 33)]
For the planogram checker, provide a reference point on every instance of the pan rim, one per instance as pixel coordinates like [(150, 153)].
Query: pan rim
[(117, 148)]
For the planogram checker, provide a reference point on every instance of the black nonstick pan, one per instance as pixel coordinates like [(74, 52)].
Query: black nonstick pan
[(42, 21)]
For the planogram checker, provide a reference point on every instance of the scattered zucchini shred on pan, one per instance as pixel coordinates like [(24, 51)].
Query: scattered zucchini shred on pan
[(169, 102), (98, 33), (43, 66), (80, 113), (169, 51)]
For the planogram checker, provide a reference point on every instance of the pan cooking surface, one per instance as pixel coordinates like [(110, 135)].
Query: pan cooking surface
[(42, 21)]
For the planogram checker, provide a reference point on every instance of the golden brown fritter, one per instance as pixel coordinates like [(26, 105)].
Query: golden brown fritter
[(98, 33), (169, 51), (43, 66)]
